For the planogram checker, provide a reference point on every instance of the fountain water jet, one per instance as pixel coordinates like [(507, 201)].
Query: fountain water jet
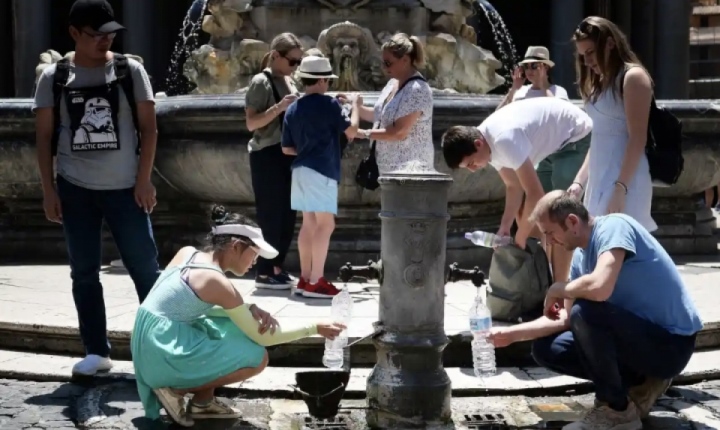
[(188, 41)]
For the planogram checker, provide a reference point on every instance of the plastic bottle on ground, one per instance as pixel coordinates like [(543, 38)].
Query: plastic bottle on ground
[(341, 311), (483, 351)]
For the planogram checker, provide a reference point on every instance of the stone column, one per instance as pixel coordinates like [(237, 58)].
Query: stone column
[(672, 48), (408, 388), (643, 32), (32, 38), (139, 37), (565, 17)]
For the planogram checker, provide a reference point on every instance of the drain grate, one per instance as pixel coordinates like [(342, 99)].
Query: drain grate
[(486, 421), (338, 422)]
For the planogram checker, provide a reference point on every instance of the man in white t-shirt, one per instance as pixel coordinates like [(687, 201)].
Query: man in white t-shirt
[(514, 140)]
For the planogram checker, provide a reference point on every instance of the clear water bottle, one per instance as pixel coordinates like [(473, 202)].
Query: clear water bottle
[(483, 351), (341, 311), (490, 240)]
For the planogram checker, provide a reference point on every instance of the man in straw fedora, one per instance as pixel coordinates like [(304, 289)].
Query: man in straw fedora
[(311, 132)]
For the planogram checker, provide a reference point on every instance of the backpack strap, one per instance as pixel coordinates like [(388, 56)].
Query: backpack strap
[(60, 79), (276, 96), (124, 77)]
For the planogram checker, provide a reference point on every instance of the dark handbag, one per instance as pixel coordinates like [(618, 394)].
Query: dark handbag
[(368, 173)]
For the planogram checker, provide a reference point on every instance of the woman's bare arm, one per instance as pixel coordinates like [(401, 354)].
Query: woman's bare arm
[(398, 131), (637, 95), (255, 120)]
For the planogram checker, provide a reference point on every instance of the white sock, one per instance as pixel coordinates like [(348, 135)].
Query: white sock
[(91, 365)]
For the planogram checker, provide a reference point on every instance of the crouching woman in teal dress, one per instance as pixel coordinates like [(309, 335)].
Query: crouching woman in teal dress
[(195, 333)]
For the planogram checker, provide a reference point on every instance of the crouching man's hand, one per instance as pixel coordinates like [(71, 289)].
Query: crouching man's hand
[(502, 336)]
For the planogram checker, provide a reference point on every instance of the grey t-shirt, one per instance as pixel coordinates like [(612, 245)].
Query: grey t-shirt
[(259, 96), (101, 169)]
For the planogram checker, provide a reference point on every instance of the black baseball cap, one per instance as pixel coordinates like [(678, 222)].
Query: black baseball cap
[(96, 14)]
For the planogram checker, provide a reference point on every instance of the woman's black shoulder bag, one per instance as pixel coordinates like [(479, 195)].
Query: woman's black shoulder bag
[(664, 144)]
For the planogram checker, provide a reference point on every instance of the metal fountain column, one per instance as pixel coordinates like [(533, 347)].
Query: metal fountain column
[(409, 388)]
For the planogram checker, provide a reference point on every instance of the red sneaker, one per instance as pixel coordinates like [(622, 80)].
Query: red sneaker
[(301, 285), (321, 290)]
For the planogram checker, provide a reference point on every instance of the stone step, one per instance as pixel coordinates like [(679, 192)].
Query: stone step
[(37, 314), (276, 381), (306, 352), (303, 353)]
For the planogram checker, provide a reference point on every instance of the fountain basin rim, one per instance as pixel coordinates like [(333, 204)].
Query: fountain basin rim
[(224, 107), (705, 104)]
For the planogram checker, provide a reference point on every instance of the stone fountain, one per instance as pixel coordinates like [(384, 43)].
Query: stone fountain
[(202, 155), (352, 32)]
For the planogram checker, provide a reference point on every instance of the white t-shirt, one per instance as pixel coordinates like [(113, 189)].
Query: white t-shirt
[(527, 92), (534, 129)]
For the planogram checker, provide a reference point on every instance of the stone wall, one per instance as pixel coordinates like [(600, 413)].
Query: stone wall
[(202, 158)]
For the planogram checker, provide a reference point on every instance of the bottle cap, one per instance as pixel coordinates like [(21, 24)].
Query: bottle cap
[(468, 235)]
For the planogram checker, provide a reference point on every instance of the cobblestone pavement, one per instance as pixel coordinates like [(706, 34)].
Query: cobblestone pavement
[(29, 405), (63, 406)]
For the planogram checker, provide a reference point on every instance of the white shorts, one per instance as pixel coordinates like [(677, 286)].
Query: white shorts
[(313, 192)]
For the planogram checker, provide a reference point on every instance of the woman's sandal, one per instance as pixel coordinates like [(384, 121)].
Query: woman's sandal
[(174, 405), (213, 410)]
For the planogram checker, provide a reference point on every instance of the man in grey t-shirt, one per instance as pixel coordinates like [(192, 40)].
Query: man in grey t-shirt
[(99, 173)]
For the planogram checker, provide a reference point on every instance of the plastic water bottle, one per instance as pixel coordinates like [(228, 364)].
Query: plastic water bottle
[(483, 351), (341, 311), (483, 238)]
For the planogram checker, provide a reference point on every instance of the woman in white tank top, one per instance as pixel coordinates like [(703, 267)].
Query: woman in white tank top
[(615, 176)]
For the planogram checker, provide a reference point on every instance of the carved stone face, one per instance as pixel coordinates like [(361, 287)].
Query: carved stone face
[(346, 47)]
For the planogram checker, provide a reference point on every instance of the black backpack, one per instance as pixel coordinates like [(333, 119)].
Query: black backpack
[(664, 143), (123, 77)]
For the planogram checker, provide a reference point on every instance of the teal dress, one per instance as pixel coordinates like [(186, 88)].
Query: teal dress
[(176, 344)]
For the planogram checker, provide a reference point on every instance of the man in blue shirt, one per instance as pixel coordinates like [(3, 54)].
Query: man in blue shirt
[(311, 131), (625, 321)]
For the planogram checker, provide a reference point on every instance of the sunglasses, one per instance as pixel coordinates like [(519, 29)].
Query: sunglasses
[(293, 62), (257, 253), (97, 37), (531, 66), (586, 28)]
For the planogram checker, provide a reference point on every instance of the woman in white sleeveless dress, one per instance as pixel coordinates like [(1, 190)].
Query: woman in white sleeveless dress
[(617, 91)]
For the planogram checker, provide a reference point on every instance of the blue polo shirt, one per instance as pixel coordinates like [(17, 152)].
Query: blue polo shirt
[(649, 285), (312, 125)]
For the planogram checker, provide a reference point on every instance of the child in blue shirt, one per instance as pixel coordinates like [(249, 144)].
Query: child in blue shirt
[(311, 131)]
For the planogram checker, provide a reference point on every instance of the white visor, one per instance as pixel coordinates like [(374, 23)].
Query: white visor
[(253, 233)]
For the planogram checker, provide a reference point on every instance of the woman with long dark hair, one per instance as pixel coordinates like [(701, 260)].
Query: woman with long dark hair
[(617, 91)]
